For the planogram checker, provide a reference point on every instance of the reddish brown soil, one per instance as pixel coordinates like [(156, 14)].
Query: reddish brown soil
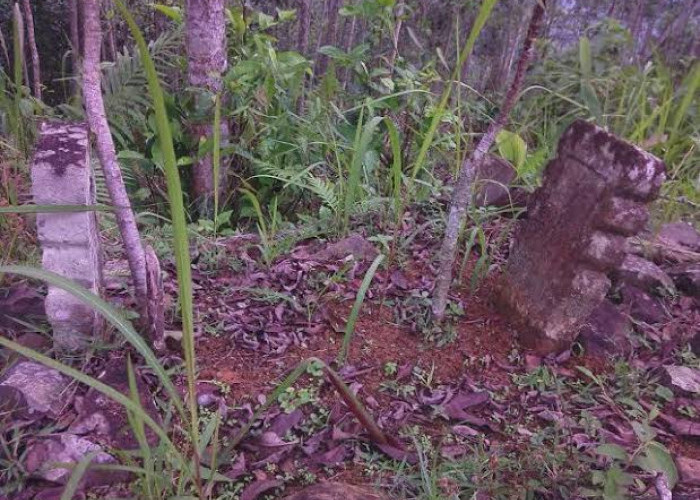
[(481, 335)]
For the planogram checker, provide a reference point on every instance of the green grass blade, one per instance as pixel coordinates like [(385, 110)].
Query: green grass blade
[(108, 391), (479, 23), (355, 312), (45, 209), (177, 209), (16, 122), (78, 472), (691, 87), (111, 315), (363, 138), (396, 165), (137, 426), (588, 93)]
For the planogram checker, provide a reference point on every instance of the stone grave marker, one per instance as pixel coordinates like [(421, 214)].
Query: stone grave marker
[(61, 175), (593, 196)]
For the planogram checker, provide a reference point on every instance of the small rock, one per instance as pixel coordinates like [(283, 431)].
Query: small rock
[(680, 234), (684, 378), (642, 306), (42, 387), (336, 491), (644, 274), (66, 448), (687, 278), (493, 178), (689, 471), (606, 332), (354, 245)]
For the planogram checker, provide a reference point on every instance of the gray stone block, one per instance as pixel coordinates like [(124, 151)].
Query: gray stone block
[(61, 175)]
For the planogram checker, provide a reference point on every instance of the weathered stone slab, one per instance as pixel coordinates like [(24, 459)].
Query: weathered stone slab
[(61, 175), (44, 457), (41, 387), (593, 196)]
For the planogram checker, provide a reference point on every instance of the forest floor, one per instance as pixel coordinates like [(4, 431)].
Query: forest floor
[(469, 413)]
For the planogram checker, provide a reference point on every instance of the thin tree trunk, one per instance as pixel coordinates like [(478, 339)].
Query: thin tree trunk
[(97, 119), (461, 195), (74, 22), (303, 46), (19, 36), (395, 45), (319, 35), (111, 46), (206, 62), (31, 39), (635, 28), (304, 27), (331, 33), (349, 42)]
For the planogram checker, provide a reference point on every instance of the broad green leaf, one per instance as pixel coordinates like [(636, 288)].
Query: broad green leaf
[(656, 458), (174, 13), (616, 482), (512, 148), (613, 451)]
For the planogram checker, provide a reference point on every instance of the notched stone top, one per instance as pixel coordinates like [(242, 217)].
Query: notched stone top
[(62, 145), (638, 174)]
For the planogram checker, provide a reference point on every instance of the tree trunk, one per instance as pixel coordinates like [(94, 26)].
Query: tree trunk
[(18, 34), (349, 41), (461, 195), (319, 30), (74, 22), (31, 41), (395, 45), (304, 27), (303, 46), (206, 62), (111, 47), (331, 33), (97, 119), (635, 27)]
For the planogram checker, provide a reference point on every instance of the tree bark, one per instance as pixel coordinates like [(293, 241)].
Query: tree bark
[(304, 27), (97, 119), (111, 47), (303, 46), (31, 41), (395, 45), (206, 62), (331, 33), (349, 41), (461, 195), (74, 22)]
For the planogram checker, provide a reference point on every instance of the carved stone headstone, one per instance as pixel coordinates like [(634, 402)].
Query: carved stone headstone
[(61, 175), (593, 197)]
